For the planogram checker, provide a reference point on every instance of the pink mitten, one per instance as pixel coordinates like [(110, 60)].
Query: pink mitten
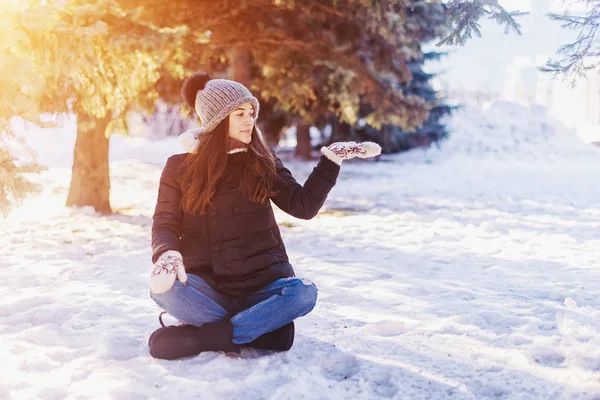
[(340, 151), (168, 267)]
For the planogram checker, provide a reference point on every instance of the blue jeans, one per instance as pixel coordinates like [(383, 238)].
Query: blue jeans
[(263, 311)]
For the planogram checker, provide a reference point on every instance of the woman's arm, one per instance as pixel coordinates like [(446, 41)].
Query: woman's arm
[(304, 202), (166, 225)]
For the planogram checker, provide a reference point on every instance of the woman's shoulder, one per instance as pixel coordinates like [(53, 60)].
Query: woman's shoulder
[(176, 159), (278, 162), (173, 165)]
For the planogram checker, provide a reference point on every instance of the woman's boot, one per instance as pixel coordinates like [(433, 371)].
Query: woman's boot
[(280, 339), (173, 342)]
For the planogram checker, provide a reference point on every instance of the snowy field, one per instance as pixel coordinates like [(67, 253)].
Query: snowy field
[(469, 272)]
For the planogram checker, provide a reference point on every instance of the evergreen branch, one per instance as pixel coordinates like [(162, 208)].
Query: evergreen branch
[(14, 185), (584, 53), (464, 17)]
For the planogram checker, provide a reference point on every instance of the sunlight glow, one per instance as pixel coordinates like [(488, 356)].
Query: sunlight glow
[(8, 4)]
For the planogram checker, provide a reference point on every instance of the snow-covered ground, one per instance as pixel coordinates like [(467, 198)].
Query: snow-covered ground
[(468, 272)]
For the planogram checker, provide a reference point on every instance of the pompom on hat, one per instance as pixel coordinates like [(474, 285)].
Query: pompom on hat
[(215, 99)]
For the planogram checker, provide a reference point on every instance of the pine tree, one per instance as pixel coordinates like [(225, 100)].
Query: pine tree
[(428, 22), (98, 62), (307, 57), (394, 139), (432, 130)]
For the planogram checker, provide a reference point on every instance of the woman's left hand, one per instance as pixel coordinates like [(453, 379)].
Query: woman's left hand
[(340, 151)]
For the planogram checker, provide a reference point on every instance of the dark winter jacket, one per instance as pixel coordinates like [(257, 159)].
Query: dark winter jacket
[(237, 246)]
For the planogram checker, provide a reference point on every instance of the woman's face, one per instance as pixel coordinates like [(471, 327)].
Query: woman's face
[(241, 122)]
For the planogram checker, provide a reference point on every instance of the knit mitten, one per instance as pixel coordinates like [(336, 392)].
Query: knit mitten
[(340, 151), (167, 268)]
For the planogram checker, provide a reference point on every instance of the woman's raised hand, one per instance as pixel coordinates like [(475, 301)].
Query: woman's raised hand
[(339, 151)]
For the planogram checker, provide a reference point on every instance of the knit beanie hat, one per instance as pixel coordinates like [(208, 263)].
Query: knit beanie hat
[(215, 99)]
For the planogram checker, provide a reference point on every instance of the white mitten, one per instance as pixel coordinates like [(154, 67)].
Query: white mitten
[(340, 151), (168, 267)]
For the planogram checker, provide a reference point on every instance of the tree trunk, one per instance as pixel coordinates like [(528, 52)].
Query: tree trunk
[(241, 60), (303, 148), (90, 183), (387, 139), (344, 132)]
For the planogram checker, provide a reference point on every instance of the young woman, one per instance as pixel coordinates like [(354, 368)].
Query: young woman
[(220, 264)]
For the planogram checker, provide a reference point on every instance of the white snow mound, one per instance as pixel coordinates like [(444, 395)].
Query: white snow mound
[(511, 131)]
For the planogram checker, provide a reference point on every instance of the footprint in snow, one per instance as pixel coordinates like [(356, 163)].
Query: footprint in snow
[(339, 367), (381, 381), (547, 356)]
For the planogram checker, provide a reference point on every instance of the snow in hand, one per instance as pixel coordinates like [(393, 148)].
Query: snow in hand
[(468, 272)]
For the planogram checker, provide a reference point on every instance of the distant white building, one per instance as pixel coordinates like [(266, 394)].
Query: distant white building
[(577, 107)]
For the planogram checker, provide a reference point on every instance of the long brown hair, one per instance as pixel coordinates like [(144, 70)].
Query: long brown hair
[(206, 166)]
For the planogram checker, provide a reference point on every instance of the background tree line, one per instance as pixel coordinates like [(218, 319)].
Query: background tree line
[(355, 65)]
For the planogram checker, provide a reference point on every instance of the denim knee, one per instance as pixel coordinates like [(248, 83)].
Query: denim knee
[(304, 293), (162, 299), (157, 300)]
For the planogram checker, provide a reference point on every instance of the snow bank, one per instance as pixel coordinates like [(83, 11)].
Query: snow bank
[(511, 132)]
